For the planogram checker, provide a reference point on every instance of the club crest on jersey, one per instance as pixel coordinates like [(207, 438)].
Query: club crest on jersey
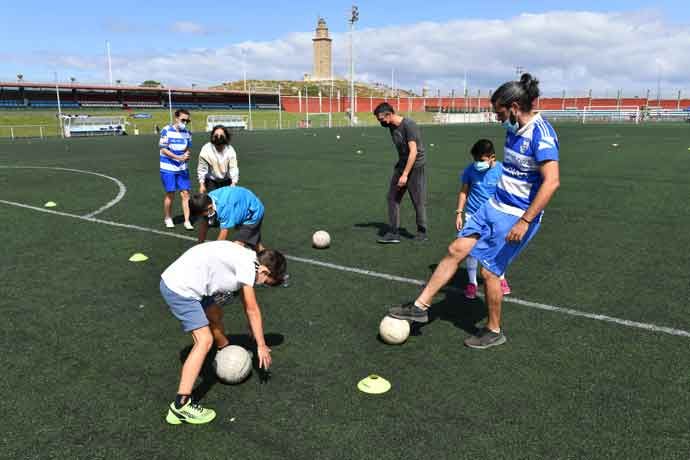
[(524, 146)]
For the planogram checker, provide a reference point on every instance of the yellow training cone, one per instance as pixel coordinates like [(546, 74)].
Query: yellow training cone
[(138, 257), (50, 204), (374, 385)]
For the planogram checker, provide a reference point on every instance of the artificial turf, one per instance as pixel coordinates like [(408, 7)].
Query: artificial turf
[(91, 354)]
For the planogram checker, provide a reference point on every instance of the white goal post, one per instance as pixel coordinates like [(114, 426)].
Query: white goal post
[(611, 113)]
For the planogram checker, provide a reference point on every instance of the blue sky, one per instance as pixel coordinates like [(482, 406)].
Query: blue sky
[(44, 37)]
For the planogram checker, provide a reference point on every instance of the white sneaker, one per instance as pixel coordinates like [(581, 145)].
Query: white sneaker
[(169, 223), (188, 225)]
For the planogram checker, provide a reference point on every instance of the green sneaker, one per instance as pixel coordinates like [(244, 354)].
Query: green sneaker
[(189, 413)]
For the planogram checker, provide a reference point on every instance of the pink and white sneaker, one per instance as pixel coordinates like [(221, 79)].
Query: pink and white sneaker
[(471, 291), (505, 287)]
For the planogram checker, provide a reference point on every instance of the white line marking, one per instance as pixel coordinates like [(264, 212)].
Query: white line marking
[(374, 274), (122, 189)]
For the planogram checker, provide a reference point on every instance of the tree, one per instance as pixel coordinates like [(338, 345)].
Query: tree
[(151, 84), (72, 79), (118, 81), (20, 77)]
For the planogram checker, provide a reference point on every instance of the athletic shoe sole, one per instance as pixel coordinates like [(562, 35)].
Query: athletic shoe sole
[(173, 419)]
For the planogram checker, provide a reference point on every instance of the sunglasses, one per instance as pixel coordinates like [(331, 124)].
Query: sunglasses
[(186, 120)]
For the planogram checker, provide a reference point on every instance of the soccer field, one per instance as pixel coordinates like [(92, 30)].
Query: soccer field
[(596, 364)]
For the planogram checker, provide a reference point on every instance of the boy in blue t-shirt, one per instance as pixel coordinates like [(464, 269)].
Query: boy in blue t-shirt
[(479, 181), (233, 207)]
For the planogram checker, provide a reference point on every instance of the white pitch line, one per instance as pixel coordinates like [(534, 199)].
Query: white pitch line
[(122, 189), (375, 274)]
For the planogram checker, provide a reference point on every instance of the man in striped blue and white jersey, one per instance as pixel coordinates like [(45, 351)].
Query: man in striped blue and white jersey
[(505, 224), (175, 142)]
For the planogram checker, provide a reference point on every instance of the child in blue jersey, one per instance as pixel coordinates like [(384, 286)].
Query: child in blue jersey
[(233, 207), (479, 182)]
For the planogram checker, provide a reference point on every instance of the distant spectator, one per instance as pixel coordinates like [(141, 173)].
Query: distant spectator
[(175, 142)]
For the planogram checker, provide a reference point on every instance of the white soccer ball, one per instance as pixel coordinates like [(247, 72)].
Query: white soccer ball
[(337, 136), (321, 239), (233, 364), (394, 331)]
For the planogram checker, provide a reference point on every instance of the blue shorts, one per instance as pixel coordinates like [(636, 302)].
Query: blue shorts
[(172, 182), (492, 250), (189, 311)]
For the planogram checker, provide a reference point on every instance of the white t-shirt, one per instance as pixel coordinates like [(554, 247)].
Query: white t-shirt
[(210, 268)]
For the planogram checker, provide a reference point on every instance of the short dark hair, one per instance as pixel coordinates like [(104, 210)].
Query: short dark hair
[(228, 134), (274, 261), (179, 112), (198, 203), (383, 108), (524, 92), (481, 148)]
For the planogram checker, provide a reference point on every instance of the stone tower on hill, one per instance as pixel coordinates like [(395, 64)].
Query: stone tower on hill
[(322, 53)]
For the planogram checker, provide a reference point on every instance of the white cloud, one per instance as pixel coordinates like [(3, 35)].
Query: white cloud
[(574, 51), (187, 27)]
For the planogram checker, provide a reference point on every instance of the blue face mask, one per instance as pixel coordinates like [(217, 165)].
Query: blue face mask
[(510, 125), (481, 165)]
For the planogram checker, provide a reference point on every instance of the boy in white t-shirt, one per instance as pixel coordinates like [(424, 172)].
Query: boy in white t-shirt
[(217, 268)]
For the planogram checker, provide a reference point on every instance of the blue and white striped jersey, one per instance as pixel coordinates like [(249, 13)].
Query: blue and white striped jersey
[(177, 142), (533, 144)]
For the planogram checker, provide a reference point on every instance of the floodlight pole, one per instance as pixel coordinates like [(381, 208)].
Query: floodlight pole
[(110, 63), (57, 94), (170, 105), (249, 95), (244, 67), (280, 109), (354, 17)]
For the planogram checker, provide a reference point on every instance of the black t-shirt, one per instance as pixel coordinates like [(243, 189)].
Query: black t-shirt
[(401, 135)]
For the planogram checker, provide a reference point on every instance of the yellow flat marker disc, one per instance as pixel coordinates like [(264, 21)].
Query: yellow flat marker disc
[(50, 204), (138, 257), (374, 384)]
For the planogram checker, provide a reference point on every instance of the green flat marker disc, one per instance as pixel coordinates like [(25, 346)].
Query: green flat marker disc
[(138, 257), (374, 385)]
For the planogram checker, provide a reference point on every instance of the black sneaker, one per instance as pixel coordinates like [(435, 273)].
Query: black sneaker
[(486, 338), (421, 237), (410, 312), (389, 238)]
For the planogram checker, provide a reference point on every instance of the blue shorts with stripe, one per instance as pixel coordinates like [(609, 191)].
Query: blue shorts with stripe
[(175, 181), (492, 226)]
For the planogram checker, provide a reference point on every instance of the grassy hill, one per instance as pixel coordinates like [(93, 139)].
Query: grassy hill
[(292, 87)]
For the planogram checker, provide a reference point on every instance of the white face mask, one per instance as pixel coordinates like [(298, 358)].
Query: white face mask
[(482, 165), (181, 125)]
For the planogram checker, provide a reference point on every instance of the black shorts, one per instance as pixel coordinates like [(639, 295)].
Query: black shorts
[(249, 234), (212, 184)]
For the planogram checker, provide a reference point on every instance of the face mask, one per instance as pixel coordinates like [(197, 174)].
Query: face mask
[(218, 140), (481, 165), (511, 125), (181, 125), (385, 124)]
